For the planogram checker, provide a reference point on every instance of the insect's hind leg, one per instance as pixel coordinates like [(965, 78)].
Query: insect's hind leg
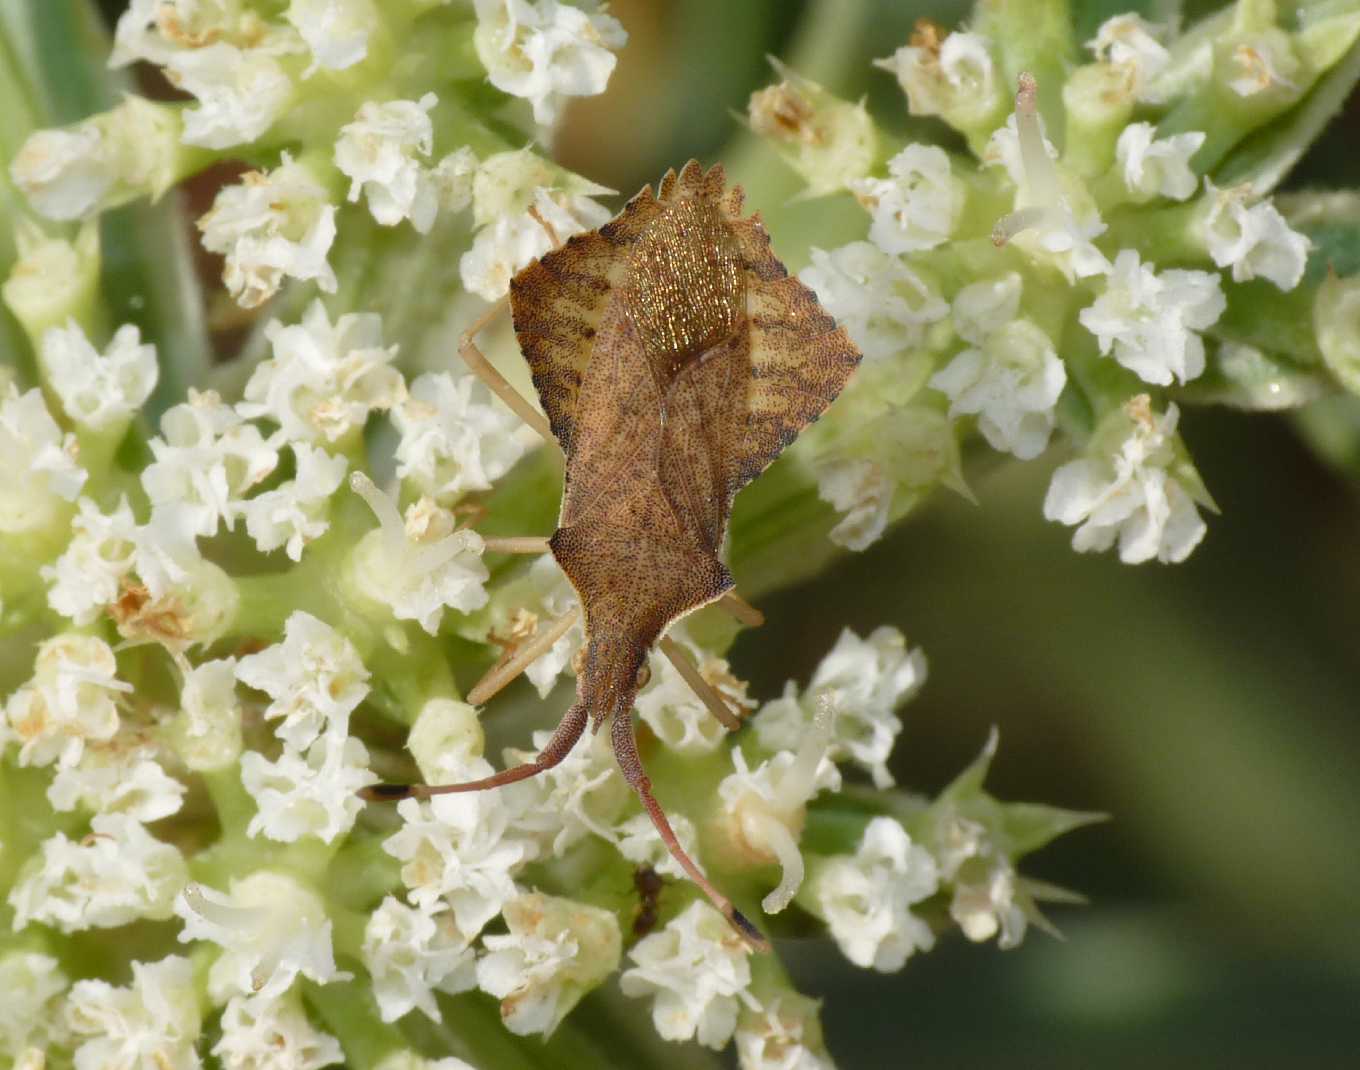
[(498, 384), (558, 747), (706, 692), (630, 764)]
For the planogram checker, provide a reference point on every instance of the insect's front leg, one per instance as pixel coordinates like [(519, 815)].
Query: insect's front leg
[(477, 363)]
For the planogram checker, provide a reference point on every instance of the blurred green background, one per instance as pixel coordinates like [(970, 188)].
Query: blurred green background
[(1211, 707)]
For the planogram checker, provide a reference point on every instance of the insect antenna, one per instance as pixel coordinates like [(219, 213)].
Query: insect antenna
[(625, 751), (557, 748)]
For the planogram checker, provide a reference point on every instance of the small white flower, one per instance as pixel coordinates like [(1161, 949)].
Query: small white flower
[(156, 30), (307, 794), (883, 462), (240, 93), (675, 713), (983, 307), (640, 843), (294, 514), (697, 969), (88, 575), (784, 1034), (1130, 41), (453, 177), (78, 171), (377, 153), (883, 304), (1132, 490), (65, 173), (543, 50), (153, 1022), (182, 599), (117, 777), (763, 809), (208, 728), (582, 794), (1151, 321), (917, 207), (70, 699), (41, 473), (411, 954), (556, 951), (420, 566), (865, 898), (115, 875), (1055, 218), (30, 1015), (315, 677), (271, 226), (445, 737), (955, 76), (1157, 167), (1261, 62), (456, 847), (985, 902), (454, 437), (502, 248), (1011, 384), (206, 460), (523, 211), (324, 378), (528, 604), (1253, 238), (260, 1033), (270, 928), (865, 680), (336, 31)]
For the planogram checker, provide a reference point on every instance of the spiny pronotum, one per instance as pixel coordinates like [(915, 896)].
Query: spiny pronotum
[(675, 358)]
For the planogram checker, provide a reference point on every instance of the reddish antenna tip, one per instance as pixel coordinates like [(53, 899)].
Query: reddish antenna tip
[(386, 792), (749, 932)]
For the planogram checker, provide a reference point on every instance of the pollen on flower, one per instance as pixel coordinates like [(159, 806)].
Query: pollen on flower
[(271, 227), (946, 74), (265, 1033)]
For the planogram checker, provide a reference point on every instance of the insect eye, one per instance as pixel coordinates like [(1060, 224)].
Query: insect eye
[(644, 675)]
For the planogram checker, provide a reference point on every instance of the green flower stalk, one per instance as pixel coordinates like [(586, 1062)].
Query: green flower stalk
[(234, 596)]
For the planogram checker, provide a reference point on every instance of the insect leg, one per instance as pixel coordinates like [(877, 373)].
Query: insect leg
[(710, 695), (557, 748), (516, 544), (741, 609), (495, 381), (504, 671), (625, 752)]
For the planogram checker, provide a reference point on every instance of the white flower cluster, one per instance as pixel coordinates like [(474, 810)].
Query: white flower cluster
[(863, 682), (544, 50), (894, 292), (315, 679)]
